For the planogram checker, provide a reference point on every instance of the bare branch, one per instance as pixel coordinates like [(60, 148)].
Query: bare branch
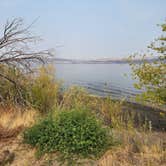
[(16, 53), (13, 43)]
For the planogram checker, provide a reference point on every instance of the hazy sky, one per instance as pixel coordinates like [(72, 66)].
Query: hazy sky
[(90, 28)]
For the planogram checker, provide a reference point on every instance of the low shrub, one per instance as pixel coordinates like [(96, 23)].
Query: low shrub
[(112, 112), (107, 109), (44, 90), (74, 134), (13, 86), (38, 90), (75, 97)]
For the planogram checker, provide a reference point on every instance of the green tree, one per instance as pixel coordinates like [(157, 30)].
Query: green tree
[(151, 76)]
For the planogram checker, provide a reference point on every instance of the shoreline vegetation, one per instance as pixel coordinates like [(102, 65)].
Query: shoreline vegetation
[(42, 124), (137, 135)]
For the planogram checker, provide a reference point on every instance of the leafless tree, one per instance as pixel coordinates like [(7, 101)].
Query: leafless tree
[(16, 48)]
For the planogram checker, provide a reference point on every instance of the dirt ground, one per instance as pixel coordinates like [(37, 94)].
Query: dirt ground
[(152, 153)]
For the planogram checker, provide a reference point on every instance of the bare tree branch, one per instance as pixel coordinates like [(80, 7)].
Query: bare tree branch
[(16, 52), (13, 45)]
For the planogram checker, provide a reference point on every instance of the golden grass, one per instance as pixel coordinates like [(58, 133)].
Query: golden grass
[(138, 149), (11, 118), (124, 157)]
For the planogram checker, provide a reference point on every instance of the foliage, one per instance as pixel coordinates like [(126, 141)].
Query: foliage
[(152, 75), (112, 112), (17, 60), (38, 90), (75, 97), (106, 109), (44, 90), (16, 49), (13, 91), (74, 134)]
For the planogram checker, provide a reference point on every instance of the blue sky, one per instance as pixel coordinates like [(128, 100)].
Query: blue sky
[(90, 28)]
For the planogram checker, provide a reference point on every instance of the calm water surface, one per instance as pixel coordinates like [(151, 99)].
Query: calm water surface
[(100, 79)]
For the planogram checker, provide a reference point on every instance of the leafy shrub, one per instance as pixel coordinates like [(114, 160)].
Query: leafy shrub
[(44, 90), (106, 109), (13, 86), (74, 134), (151, 75), (38, 90)]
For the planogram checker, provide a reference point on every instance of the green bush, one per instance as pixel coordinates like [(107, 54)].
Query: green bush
[(74, 134), (13, 86), (150, 76), (107, 109), (44, 90), (38, 90)]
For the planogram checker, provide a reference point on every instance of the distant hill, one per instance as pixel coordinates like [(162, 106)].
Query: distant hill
[(100, 61)]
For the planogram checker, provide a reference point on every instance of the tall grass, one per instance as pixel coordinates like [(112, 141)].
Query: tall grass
[(14, 117), (110, 111), (137, 148), (38, 90), (44, 90)]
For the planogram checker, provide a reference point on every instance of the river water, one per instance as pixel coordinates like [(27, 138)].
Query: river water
[(101, 79)]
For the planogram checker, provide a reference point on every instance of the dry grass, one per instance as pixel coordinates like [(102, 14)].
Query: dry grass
[(138, 149), (11, 118), (24, 155), (123, 157)]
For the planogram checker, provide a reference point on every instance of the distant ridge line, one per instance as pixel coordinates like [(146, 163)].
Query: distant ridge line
[(104, 61)]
